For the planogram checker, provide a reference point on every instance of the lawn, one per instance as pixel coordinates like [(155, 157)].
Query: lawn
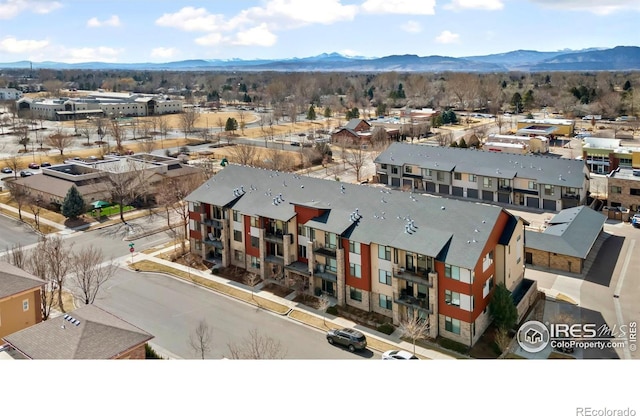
[(112, 210)]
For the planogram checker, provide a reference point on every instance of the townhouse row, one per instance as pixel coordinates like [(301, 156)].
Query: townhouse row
[(398, 254), (550, 183)]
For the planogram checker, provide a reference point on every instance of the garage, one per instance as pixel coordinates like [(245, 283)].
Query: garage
[(504, 197), (472, 193), (457, 191), (487, 195), (533, 202), (431, 187), (549, 204), (443, 189), (384, 178), (395, 182), (407, 183)]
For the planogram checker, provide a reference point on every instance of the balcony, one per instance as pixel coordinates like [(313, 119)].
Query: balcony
[(571, 196), (217, 223), (321, 250), (411, 301), (419, 276), (275, 236), (322, 272), (214, 241)]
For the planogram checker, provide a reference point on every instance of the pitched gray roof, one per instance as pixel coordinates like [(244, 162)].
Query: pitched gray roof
[(99, 335), (14, 280), (571, 232), (443, 228), (353, 123), (544, 169)]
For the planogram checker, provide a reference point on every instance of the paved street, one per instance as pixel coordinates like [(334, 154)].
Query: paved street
[(14, 232), (171, 309)]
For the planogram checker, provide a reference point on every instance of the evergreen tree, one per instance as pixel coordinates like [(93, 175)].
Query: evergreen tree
[(311, 114), (462, 144), (73, 204), (454, 144), (231, 125), (528, 99), (327, 112), (503, 310), (627, 86), (516, 102)]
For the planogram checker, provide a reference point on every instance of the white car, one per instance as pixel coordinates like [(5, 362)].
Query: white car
[(398, 355)]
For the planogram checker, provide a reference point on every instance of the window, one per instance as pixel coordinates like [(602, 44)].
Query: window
[(440, 176), (385, 302), (332, 265), (330, 240), (355, 270), (452, 272), (394, 170), (426, 173), (25, 305), (407, 169), (634, 191), (238, 255), (383, 166), (487, 182), (237, 235), (196, 207), (452, 298), (548, 189), (354, 247), (472, 178), (384, 277), (355, 294), (255, 242), (255, 262), (457, 176), (532, 185), (255, 222), (384, 252), (616, 189), (452, 325), (236, 216), (302, 251)]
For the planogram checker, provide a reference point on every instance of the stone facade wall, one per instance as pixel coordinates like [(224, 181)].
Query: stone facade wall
[(555, 261), (365, 304)]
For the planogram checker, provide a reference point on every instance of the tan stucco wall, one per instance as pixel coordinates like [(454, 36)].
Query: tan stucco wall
[(13, 318)]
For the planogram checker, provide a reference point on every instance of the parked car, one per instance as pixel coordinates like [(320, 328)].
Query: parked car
[(34, 165), (398, 355), (635, 220), (45, 164), (25, 173), (347, 337), (7, 170)]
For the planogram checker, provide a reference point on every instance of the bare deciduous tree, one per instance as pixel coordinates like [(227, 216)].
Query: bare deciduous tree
[(118, 133), (188, 120), (57, 255), (502, 340), (244, 154), (16, 255), (257, 347), (415, 328), (201, 339), (90, 272), (19, 195), (323, 304), (355, 156), (59, 141)]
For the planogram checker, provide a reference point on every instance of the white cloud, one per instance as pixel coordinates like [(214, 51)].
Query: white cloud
[(593, 6), (12, 8), (13, 45), (112, 21), (412, 27), (190, 19), (162, 52), (256, 36), (447, 37), (212, 39), (410, 7), (475, 4)]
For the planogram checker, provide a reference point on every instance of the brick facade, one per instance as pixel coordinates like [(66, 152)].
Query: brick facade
[(555, 261)]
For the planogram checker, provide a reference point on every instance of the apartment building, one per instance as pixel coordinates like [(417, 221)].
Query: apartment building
[(396, 253), (534, 181)]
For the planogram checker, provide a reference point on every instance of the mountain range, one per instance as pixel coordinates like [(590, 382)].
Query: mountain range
[(620, 58)]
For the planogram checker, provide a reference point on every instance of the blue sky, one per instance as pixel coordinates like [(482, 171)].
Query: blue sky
[(171, 30)]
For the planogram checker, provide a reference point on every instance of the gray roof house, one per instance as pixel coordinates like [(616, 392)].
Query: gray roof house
[(567, 241), (529, 180), (85, 333)]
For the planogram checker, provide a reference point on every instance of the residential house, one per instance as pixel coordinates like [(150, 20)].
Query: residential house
[(566, 241), (397, 254), (88, 333), (533, 181), (355, 131), (10, 94), (20, 299)]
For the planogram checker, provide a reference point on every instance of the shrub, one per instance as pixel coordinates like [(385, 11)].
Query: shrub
[(386, 328), (332, 310), (453, 345), (150, 353)]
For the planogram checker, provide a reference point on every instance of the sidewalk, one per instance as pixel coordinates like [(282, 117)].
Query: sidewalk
[(293, 310)]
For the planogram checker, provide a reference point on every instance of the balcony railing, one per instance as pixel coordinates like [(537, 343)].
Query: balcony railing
[(570, 196), (419, 276), (504, 189), (273, 235), (412, 301), (214, 222), (325, 251)]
